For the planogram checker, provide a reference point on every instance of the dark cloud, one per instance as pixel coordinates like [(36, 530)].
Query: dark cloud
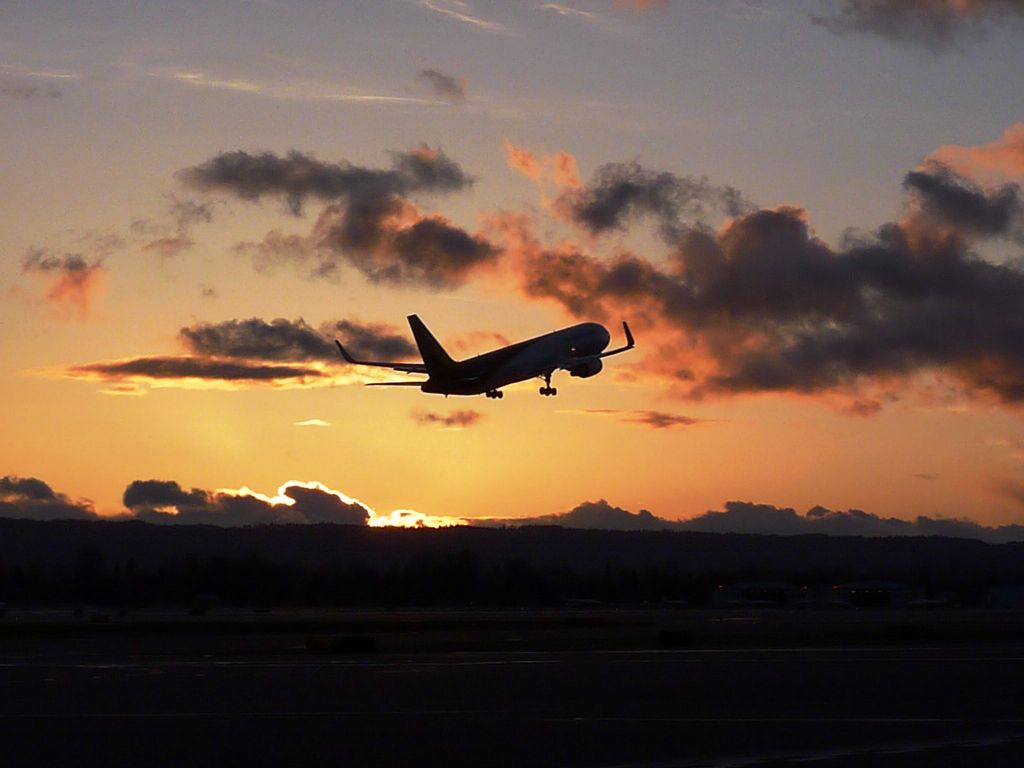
[(431, 252), (297, 177), (28, 91), (294, 340), (371, 341), (31, 498), (619, 192), (42, 260), (455, 419), (162, 493), (256, 339), (747, 517), (444, 86), (598, 515), (369, 221), (158, 368), (164, 501), (958, 202), (934, 24), (660, 419), (319, 506)]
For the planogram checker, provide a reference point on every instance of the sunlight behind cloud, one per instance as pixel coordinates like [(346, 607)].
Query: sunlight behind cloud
[(398, 518)]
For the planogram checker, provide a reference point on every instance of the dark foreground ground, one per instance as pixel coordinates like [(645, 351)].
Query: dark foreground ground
[(562, 688)]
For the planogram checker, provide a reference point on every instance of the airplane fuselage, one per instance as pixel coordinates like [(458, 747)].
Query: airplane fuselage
[(521, 361), (578, 349)]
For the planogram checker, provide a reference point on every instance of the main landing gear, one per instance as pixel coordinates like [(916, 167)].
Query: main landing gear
[(547, 389), (495, 393)]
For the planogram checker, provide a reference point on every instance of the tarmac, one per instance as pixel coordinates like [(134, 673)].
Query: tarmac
[(591, 689)]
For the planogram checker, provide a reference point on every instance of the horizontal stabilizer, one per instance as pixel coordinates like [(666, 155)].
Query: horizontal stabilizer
[(403, 367)]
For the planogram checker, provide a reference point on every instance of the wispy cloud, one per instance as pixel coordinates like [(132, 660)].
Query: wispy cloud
[(569, 12), (313, 423), (640, 5), (43, 74), (462, 11), (286, 91), (650, 419)]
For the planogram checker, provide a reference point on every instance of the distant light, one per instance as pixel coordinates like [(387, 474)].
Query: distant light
[(313, 423)]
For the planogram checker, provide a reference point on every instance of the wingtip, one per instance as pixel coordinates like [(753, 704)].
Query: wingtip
[(344, 354), (629, 334)]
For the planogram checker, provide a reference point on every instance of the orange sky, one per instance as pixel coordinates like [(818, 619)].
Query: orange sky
[(801, 336)]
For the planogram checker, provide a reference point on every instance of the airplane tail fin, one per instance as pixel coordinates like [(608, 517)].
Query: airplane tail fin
[(433, 354)]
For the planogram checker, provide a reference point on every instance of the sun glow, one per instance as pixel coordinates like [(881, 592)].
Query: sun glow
[(410, 518), (398, 518)]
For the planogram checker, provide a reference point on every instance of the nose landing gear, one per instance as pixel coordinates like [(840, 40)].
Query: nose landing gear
[(495, 394)]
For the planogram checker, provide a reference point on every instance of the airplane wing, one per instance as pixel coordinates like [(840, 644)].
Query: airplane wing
[(404, 367), (628, 346)]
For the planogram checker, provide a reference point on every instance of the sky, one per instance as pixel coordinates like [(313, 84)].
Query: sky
[(808, 211)]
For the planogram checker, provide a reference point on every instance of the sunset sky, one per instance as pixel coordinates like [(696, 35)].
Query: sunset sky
[(808, 212)]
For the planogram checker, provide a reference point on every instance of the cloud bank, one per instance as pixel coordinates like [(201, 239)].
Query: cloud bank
[(762, 305), (167, 502), (766, 519)]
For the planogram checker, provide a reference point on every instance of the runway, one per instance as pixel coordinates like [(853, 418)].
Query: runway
[(911, 706)]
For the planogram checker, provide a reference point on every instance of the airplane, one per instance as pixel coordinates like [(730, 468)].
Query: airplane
[(577, 349)]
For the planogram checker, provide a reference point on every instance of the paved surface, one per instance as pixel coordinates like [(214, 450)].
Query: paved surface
[(866, 707)]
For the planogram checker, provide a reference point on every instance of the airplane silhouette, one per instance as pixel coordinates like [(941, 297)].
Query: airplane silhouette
[(577, 349)]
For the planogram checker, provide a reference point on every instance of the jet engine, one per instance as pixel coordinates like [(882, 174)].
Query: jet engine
[(587, 368)]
